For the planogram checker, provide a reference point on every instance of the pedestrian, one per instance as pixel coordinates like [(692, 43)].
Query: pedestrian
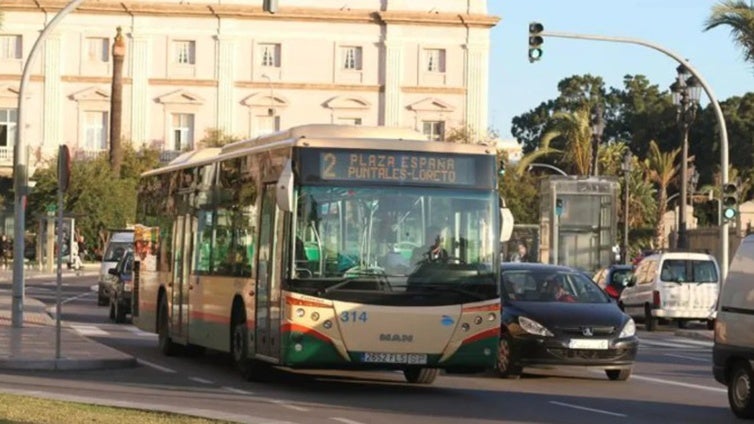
[(6, 250), (521, 254)]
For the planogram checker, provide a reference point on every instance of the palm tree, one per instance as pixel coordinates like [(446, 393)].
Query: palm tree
[(739, 16), (575, 131), (661, 170)]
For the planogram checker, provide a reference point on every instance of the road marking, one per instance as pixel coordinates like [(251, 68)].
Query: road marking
[(584, 408), (75, 298), (155, 366), (289, 406), (94, 288), (654, 343), (237, 391), (201, 380), (88, 330), (690, 358), (345, 420), (694, 342), (678, 383)]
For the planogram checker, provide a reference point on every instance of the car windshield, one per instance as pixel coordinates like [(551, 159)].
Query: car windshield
[(545, 285), (620, 277), (688, 271), (406, 238), (115, 251)]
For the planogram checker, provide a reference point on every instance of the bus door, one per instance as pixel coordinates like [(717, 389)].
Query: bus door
[(182, 239), (265, 336)]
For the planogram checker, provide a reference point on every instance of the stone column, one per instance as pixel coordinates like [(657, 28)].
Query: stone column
[(477, 86), (140, 104), (52, 131), (225, 75), (393, 71)]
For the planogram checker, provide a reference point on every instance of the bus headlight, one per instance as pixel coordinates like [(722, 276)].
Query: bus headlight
[(491, 316), (327, 324), (477, 320), (315, 316), (300, 312), (465, 326)]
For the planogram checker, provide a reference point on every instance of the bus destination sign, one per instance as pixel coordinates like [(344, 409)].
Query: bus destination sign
[(401, 167)]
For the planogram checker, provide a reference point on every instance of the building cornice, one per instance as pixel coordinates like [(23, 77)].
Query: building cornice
[(238, 11)]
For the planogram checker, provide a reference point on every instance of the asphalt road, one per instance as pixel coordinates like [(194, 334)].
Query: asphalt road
[(672, 383)]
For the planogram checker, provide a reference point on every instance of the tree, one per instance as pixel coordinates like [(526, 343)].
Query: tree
[(738, 15), (216, 137), (662, 170), (466, 135)]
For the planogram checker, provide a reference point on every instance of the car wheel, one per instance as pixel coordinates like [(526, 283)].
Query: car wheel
[(682, 323), (618, 375), (102, 300), (740, 390), (165, 343), (650, 322), (505, 366), (710, 324), (120, 313), (112, 310), (421, 375)]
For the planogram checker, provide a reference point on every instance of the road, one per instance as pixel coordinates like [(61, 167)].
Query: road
[(672, 383)]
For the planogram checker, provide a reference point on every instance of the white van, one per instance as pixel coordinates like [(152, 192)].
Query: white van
[(120, 242), (733, 351), (678, 286)]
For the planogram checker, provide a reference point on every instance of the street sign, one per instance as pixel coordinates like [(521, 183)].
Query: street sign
[(51, 208)]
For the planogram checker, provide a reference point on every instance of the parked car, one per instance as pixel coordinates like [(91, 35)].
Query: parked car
[(733, 350), (122, 289), (555, 315), (614, 278), (676, 286), (120, 242)]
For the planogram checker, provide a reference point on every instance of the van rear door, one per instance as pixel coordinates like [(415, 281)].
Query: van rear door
[(690, 286)]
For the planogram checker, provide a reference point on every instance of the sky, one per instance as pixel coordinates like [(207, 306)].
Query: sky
[(517, 86)]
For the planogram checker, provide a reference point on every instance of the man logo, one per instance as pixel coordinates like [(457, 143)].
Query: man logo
[(587, 331), (399, 338)]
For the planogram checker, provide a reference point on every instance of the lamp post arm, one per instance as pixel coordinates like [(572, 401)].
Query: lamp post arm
[(724, 245), (548, 166)]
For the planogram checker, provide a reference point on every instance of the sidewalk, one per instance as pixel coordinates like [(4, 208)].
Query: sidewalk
[(32, 346)]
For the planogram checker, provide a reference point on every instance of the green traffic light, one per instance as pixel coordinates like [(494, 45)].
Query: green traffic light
[(729, 213)]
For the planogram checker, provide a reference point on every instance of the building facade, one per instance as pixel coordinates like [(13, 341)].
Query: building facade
[(227, 64)]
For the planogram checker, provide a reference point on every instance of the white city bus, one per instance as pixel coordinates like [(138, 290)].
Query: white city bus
[(306, 249)]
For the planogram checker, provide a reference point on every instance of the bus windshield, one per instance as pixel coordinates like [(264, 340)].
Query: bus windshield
[(376, 243)]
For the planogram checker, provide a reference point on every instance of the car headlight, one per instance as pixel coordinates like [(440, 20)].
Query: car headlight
[(629, 329), (533, 327)]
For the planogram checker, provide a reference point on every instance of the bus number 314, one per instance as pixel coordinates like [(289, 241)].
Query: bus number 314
[(353, 316)]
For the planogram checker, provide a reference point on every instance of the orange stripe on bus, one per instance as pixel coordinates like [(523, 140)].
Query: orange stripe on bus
[(204, 316), (300, 302), (492, 332), (485, 308), (289, 328)]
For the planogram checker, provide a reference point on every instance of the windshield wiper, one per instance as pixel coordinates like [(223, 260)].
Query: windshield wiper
[(356, 275), (452, 289)]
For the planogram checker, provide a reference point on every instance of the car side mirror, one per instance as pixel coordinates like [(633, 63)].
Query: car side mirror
[(113, 271), (630, 281)]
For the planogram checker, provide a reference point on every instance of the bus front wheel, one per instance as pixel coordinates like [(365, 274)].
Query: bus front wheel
[(165, 343), (421, 375), (239, 349)]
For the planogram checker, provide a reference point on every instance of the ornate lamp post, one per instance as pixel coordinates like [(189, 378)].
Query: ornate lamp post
[(626, 167), (686, 91), (598, 126)]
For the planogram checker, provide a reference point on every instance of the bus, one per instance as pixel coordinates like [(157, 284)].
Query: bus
[(325, 247)]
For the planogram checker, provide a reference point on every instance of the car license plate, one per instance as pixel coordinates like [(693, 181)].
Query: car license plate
[(394, 358), (600, 344)]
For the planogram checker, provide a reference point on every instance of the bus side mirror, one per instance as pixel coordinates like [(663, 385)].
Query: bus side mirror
[(506, 224), (284, 189)]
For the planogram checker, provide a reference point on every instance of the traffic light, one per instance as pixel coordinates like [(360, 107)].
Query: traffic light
[(729, 202), (270, 6), (535, 41), (559, 207), (501, 169)]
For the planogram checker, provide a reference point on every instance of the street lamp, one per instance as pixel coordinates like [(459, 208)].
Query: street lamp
[(626, 167), (598, 126), (686, 91)]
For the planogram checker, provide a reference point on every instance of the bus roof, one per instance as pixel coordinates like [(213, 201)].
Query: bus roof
[(191, 158)]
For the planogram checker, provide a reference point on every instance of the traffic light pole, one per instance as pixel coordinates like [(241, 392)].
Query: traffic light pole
[(724, 243)]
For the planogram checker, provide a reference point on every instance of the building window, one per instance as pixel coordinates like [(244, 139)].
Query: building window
[(434, 130), (183, 131), (97, 49), (351, 57), (270, 54), (349, 121), (435, 60), (267, 124), (184, 52), (10, 47), (96, 129), (8, 119)]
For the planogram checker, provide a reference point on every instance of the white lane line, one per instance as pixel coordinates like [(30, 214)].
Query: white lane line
[(690, 358), (201, 380), (89, 330), (678, 383), (289, 406), (345, 420), (70, 299), (155, 366), (654, 343), (694, 342), (94, 288), (237, 391), (584, 408)]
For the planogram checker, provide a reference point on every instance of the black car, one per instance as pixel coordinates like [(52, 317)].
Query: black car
[(120, 294), (613, 279), (556, 316)]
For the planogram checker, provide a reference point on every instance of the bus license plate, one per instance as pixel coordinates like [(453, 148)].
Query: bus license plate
[(588, 344), (394, 358)]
